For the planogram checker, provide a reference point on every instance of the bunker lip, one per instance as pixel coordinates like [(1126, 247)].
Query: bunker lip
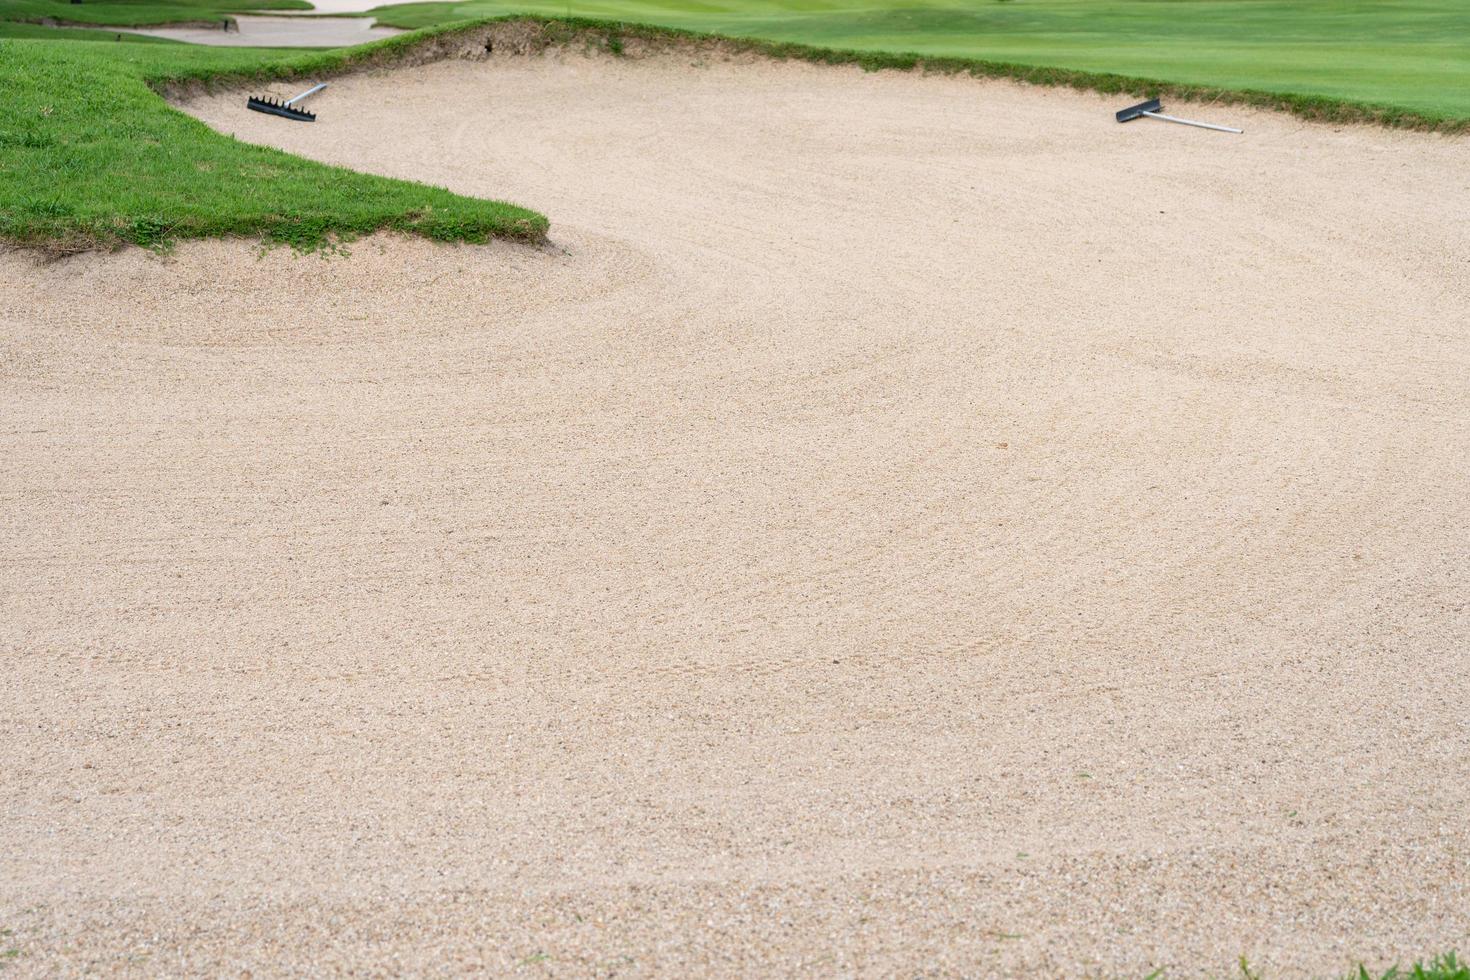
[(871, 541), (529, 35), (130, 221)]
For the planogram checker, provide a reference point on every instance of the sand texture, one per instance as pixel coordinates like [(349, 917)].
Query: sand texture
[(279, 32), (902, 526)]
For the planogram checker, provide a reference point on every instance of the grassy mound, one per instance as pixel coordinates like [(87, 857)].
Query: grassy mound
[(127, 13), (92, 156), (137, 15)]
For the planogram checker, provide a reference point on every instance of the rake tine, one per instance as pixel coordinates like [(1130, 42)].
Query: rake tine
[(286, 109)]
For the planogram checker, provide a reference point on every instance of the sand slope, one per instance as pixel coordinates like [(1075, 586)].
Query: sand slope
[(280, 32), (904, 525)]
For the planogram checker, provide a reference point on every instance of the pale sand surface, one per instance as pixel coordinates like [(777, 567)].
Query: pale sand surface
[(279, 32), (904, 525), (351, 6)]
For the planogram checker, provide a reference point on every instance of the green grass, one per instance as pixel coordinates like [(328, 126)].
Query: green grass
[(1445, 967), (1410, 55), (1407, 55), (38, 32), (91, 156), (130, 13)]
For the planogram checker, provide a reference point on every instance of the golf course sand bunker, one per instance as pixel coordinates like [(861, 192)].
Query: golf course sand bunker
[(902, 524)]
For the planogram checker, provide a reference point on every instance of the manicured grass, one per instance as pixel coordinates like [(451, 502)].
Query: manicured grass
[(1412, 55), (38, 32), (127, 13), (91, 156), (1409, 55)]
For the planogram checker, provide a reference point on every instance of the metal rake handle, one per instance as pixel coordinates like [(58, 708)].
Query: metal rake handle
[(1191, 122), (311, 91)]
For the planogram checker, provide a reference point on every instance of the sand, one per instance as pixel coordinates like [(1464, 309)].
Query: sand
[(279, 32), (349, 6), (901, 525)]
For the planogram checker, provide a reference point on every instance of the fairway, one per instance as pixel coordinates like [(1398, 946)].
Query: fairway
[(1413, 54), (896, 524)]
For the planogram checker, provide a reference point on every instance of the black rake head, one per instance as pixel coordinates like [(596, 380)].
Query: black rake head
[(1135, 111), (283, 109)]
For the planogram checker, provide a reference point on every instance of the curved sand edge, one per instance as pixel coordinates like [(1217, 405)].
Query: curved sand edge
[(910, 523)]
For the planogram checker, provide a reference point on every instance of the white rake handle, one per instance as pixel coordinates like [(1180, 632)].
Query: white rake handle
[(311, 91), (1191, 122)]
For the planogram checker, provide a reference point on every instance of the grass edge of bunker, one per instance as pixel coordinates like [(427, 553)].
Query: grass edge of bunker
[(97, 111), (94, 157)]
